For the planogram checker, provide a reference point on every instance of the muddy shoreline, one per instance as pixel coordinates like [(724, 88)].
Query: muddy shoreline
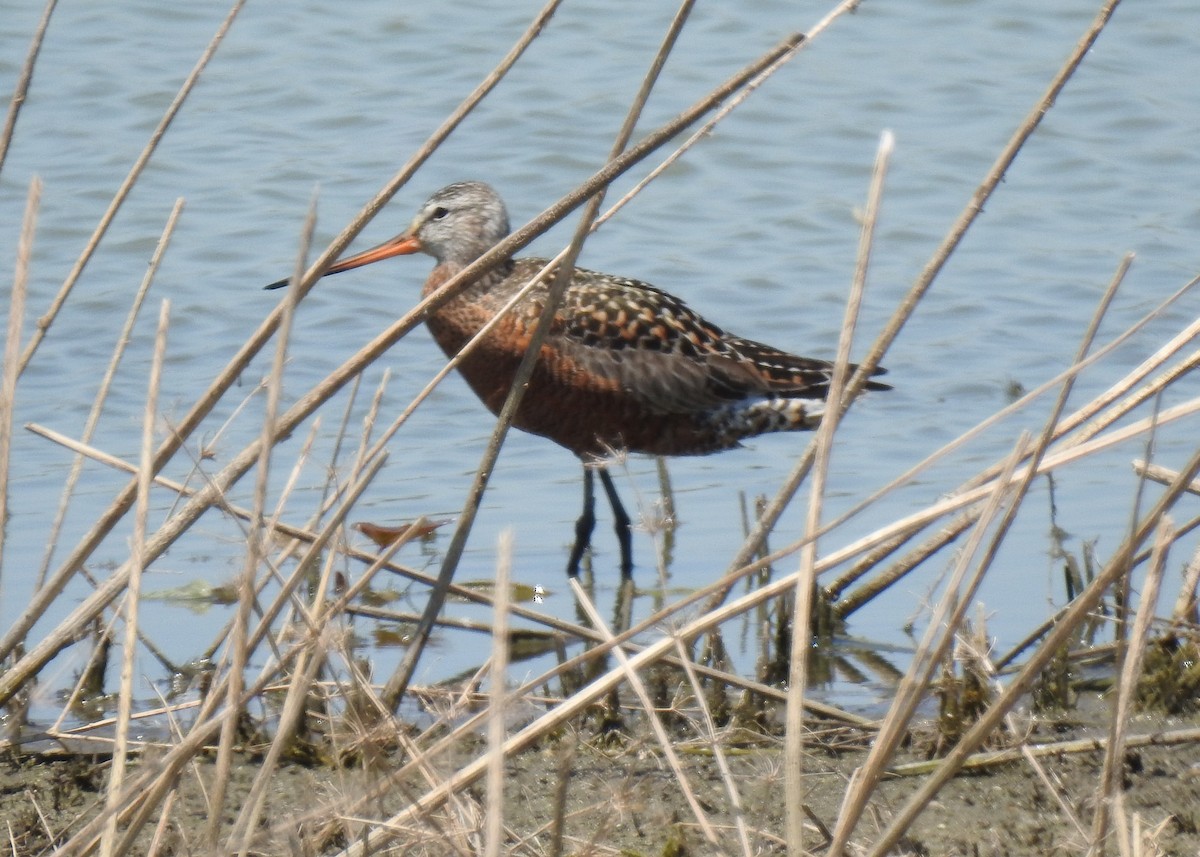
[(619, 797)]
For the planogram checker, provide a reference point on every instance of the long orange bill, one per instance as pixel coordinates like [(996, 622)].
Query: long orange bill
[(401, 245)]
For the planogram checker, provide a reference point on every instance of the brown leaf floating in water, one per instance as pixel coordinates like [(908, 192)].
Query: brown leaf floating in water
[(384, 536)]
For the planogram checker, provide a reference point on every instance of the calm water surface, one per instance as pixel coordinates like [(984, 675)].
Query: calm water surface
[(757, 228)]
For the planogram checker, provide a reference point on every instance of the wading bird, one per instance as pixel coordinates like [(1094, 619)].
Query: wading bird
[(625, 366)]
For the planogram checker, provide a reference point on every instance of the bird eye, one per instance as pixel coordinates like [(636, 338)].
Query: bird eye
[(439, 213)]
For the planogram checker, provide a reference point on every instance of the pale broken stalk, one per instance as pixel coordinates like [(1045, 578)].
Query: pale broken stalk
[(494, 825), (12, 347), (133, 593), (806, 581), (1110, 802)]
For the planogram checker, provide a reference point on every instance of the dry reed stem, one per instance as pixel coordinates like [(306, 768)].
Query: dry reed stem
[(494, 842), (846, 606), (459, 624), (12, 347), (22, 87), (366, 451), (237, 654), (1109, 799), (93, 417), (995, 758), (823, 450), (1122, 593), (78, 734), (135, 172), (164, 824), (133, 595), (1185, 604), (909, 303), (797, 679), (273, 524), (639, 688), (1162, 475), (935, 642), (343, 431), (1075, 613)]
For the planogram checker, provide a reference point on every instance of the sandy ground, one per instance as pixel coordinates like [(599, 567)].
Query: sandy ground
[(621, 798)]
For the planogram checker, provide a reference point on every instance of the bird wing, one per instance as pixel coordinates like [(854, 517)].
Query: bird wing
[(664, 354)]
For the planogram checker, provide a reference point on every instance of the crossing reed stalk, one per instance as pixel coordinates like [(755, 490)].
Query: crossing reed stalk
[(21, 90), (116, 774), (12, 347)]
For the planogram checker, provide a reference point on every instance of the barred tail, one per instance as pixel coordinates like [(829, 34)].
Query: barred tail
[(761, 416)]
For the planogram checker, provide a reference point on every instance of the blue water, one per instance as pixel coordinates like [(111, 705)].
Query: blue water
[(757, 227)]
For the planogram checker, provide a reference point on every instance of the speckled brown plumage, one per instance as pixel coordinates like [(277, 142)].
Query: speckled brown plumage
[(626, 366)]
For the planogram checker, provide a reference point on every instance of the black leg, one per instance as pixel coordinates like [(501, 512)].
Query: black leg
[(585, 524), (620, 524)]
